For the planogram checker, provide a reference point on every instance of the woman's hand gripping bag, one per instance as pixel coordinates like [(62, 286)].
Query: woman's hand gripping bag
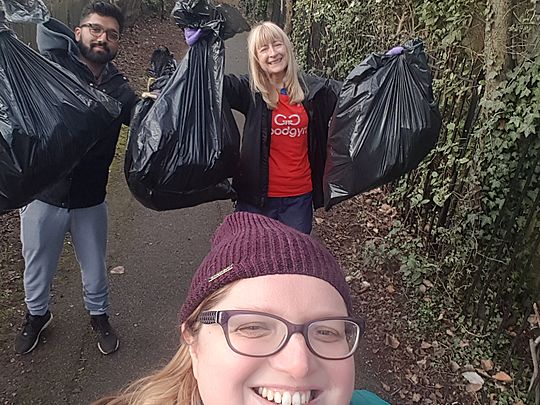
[(184, 149), (385, 123)]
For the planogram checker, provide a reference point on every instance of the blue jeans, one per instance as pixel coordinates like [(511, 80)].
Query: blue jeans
[(296, 212)]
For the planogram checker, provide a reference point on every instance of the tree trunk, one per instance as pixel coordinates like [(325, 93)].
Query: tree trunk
[(535, 35), (497, 57), (288, 16)]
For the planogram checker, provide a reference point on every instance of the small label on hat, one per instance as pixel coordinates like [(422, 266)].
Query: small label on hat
[(220, 273)]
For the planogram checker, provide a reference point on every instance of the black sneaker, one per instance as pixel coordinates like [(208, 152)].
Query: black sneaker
[(32, 327), (107, 340)]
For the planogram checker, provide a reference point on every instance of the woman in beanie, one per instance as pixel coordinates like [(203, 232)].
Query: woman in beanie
[(267, 319), (283, 153)]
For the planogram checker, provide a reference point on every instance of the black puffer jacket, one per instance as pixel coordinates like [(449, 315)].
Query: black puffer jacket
[(251, 179), (86, 185)]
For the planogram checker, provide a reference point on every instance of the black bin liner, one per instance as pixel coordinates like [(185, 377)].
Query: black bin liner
[(385, 123), (184, 146), (24, 11), (48, 121)]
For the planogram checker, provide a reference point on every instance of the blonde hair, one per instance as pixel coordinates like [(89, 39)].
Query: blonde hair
[(175, 384), (263, 34)]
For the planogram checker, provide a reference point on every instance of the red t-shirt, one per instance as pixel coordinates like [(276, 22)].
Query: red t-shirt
[(290, 173)]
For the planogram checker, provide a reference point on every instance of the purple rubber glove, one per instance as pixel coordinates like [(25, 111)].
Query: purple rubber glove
[(192, 35), (397, 50)]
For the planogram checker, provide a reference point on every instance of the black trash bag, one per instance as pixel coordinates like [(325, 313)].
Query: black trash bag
[(185, 145), (162, 67), (24, 11), (48, 121), (385, 123), (223, 20)]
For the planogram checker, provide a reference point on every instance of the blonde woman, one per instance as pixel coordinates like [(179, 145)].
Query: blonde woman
[(251, 332), (284, 139)]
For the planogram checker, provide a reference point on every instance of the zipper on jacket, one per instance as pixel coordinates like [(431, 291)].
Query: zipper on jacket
[(266, 131)]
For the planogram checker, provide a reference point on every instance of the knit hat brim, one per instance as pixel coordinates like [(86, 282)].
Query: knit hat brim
[(248, 245)]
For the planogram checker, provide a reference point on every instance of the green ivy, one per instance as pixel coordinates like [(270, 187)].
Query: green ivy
[(345, 35), (488, 247), (471, 211), (470, 214)]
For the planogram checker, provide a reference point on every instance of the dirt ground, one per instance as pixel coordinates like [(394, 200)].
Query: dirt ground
[(11, 269), (411, 369)]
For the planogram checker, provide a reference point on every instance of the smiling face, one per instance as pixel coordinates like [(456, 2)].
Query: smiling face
[(273, 58), (97, 49), (292, 376)]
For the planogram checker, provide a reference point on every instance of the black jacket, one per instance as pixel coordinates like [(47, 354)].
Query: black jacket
[(86, 185), (251, 179)]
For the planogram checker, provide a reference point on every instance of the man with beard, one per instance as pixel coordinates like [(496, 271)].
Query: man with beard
[(76, 205)]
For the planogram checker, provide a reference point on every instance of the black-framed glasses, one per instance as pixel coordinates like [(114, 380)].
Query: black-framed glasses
[(259, 334), (97, 30)]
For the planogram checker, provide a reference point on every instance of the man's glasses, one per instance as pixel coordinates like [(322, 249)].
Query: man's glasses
[(258, 334), (97, 30)]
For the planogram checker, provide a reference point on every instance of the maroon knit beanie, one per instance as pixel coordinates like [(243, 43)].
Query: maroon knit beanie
[(249, 245)]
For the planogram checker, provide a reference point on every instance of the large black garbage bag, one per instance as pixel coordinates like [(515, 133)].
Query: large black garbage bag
[(222, 20), (162, 67), (48, 121), (185, 146), (385, 122), (24, 11)]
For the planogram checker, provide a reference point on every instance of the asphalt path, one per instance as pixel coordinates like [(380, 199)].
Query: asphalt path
[(159, 252)]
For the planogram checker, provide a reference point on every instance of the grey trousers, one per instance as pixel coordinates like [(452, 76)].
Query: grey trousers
[(43, 230)]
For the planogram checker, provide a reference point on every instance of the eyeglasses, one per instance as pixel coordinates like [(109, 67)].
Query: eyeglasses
[(97, 30), (258, 334)]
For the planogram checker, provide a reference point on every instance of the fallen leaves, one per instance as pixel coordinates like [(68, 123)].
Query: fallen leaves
[(422, 363), (388, 210), (409, 371), (318, 220), (502, 377), (473, 377), (454, 366), (118, 270), (391, 341), (474, 387), (487, 365), (475, 380), (364, 286)]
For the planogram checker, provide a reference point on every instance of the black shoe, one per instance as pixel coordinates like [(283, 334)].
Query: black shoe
[(32, 327), (107, 340)]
